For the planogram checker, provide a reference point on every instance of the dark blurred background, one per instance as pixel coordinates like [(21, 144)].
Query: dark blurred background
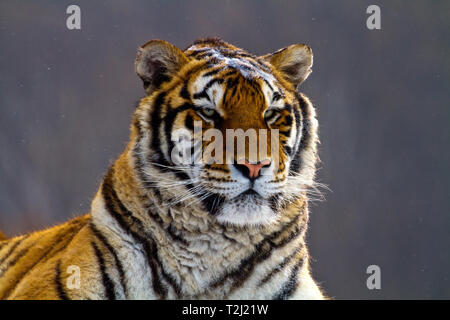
[(382, 97)]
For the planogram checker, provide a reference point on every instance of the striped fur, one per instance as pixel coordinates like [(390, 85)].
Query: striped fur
[(158, 230)]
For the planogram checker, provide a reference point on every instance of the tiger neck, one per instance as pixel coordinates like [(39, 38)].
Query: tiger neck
[(184, 236)]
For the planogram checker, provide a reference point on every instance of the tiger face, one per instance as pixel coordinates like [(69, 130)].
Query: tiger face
[(226, 129)]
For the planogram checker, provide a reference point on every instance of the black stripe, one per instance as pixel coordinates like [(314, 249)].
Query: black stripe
[(189, 122), (203, 93), (287, 121), (157, 156), (11, 250), (114, 205), (113, 252), (288, 150), (139, 163), (286, 133), (291, 284), (212, 203), (256, 64), (184, 93), (172, 282), (261, 252), (194, 52), (204, 55), (3, 244), (276, 96), (168, 123), (158, 287), (155, 124), (305, 125), (242, 66), (115, 208), (296, 156), (212, 72), (231, 83), (17, 257), (173, 235), (62, 295), (268, 84), (229, 73), (157, 194), (107, 282), (214, 168), (278, 268)]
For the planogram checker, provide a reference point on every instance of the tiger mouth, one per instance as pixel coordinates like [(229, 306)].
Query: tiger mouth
[(250, 192), (249, 195)]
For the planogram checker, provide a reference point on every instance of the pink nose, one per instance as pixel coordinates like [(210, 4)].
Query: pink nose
[(253, 169)]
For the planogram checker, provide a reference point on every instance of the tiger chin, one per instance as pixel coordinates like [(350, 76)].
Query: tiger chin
[(164, 229)]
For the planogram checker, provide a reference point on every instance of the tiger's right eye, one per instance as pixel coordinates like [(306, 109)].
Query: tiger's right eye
[(269, 114)]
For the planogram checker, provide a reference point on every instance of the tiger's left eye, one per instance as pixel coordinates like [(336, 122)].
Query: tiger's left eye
[(209, 112)]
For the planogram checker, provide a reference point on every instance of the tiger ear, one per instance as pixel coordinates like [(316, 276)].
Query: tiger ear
[(294, 62), (157, 61)]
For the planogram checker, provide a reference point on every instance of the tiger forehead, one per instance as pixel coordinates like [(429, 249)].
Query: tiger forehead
[(248, 65), (230, 91), (230, 80), (243, 95)]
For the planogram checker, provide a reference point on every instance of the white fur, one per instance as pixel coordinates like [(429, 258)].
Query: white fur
[(131, 254)]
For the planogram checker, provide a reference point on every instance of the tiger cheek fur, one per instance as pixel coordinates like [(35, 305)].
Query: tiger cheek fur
[(164, 230)]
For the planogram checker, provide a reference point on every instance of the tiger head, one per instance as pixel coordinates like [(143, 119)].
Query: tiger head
[(225, 129)]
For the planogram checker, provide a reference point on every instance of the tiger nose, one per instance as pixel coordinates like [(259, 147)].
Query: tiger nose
[(251, 171)]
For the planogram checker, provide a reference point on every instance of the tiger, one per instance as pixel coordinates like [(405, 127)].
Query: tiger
[(164, 229)]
